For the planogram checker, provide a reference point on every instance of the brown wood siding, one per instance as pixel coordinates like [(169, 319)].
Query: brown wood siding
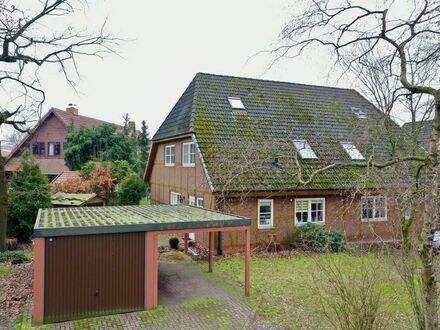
[(93, 275)]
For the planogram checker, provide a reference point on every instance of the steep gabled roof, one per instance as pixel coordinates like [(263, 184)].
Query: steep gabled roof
[(261, 134), (421, 131)]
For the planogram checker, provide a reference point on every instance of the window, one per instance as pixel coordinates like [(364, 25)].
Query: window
[(359, 113), (265, 213), (309, 210), (175, 198), (170, 155), (53, 148), (374, 208), (192, 200), (236, 103), (304, 149), (39, 148), (352, 151), (200, 202), (189, 154)]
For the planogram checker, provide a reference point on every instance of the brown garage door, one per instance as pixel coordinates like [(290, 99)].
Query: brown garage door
[(93, 275)]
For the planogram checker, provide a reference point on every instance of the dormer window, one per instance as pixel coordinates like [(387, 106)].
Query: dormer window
[(359, 113), (236, 103), (352, 151), (304, 149)]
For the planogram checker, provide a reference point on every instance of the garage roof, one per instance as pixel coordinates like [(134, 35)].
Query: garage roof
[(123, 219)]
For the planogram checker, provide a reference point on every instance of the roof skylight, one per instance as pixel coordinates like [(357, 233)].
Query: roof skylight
[(352, 151), (236, 103), (359, 113), (304, 149)]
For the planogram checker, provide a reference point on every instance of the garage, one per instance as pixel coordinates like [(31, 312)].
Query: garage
[(104, 260)]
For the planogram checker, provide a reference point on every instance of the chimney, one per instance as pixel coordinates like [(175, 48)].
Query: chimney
[(72, 109), (131, 127)]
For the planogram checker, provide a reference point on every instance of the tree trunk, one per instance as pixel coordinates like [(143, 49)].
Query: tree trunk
[(3, 203), (430, 224)]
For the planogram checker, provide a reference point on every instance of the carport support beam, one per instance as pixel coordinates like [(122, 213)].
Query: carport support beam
[(151, 270), (247, 264), (211, 249), (38, 313)]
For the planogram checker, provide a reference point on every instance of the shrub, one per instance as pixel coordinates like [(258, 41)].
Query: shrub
[(318, 238), (29, 191), (174, 243), (131, 190), (15, 257), (191, 243)]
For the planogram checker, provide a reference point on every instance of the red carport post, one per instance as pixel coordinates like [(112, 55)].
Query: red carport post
[(247, 263), (38, 315), (211, 249), (151, 270)]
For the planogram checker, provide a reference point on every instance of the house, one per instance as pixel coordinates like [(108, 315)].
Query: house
[(61, 199), (421, 131), (47, 141), (250, 147)]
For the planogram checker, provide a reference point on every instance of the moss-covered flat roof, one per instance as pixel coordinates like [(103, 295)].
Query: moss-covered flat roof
[(70, 199), (120, 219)]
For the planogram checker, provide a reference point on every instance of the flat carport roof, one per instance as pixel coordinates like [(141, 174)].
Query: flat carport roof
[(154, 220)]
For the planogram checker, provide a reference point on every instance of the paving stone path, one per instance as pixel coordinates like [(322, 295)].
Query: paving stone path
[(187, 300)]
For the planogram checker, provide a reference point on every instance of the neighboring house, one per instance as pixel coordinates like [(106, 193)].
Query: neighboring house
[(48, 140), (67, 181), (238, 145), (61, 199)]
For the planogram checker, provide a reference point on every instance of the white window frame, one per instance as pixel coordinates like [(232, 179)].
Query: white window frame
[(236, 102), (200, 202), (171, 156), (351, 150), (374, 219), (271, 214), (178, 196), (305, 152), (185, 153), (192, 200), (309, 210)]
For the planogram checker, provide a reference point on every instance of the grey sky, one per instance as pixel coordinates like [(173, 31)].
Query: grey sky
[(173, 40)]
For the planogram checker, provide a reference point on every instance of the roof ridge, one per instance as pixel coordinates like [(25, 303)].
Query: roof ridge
[(56, 110), (272, 81)]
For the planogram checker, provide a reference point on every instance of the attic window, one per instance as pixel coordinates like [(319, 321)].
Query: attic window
[(236, 103), (304, 149), (359, 113), (352, 151)]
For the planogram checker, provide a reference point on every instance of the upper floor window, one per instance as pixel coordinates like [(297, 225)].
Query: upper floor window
[(309, 210), (54, 148), (374, 208), (170, 155), (39, 148), (189, 154), (265, 213), (235, 103), (304, 149), (200, 202), (175, 198), (352, 151)]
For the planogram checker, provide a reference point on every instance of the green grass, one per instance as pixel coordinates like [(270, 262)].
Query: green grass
[(5, 269), (145, 202), (291, 292)]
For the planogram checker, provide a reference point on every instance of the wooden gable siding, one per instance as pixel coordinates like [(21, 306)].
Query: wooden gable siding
[(188, 181)]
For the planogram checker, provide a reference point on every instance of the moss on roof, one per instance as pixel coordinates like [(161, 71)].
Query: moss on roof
[(117, 219), (71, 199)]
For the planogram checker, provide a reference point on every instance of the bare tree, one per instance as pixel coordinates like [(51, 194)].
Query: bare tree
[(30, 42), (355, 30)]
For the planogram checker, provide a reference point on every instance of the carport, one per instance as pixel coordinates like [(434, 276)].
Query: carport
[(104, 260)]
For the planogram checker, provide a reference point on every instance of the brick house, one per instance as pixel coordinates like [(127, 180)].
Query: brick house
[(249, 147), (48, 140)]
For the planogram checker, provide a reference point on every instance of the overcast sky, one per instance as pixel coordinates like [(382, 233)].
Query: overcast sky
[(172, 41)]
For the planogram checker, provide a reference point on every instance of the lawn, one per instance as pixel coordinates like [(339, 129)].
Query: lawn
[(5, 269), (294, 292), (144, 202)]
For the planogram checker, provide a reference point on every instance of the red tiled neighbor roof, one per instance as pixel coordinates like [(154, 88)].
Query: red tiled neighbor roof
[(66, 118), (65, 177)]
